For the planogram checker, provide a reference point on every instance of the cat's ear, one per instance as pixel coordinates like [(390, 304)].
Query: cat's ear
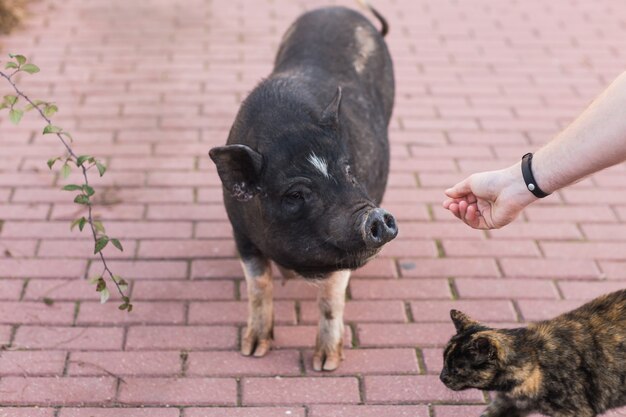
[(483, 348), (461, 321)]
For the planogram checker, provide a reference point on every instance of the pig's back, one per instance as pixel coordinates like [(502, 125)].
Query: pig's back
[(337, 46)]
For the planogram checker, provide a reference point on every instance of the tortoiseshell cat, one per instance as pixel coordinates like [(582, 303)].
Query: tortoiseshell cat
[(571, 366)]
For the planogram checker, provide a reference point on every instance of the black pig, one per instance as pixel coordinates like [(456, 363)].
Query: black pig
[(305, 167)]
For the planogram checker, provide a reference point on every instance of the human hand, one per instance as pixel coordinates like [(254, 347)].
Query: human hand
[(489, 200)]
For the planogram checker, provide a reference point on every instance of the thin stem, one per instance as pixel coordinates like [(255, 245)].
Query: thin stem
[(82, 166), (25, 97)]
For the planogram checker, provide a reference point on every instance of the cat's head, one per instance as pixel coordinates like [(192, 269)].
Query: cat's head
[(476, 356)]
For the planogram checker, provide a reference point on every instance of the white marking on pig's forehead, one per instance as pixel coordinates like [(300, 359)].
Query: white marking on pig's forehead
[(365, 44), (319, 164)]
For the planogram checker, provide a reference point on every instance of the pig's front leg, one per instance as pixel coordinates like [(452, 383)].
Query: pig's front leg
[(331, 299), (260, 330)]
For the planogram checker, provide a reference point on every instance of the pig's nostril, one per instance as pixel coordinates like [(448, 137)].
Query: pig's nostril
[(375, 230), (390, 222)]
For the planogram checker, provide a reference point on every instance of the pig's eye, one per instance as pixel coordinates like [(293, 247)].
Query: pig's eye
[(293, 201), (294, 196)]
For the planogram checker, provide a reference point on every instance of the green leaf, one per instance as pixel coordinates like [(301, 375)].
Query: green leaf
[(30, 68), (11, 65), (80, 222), (88, 190), (10, 100), (81, 159), (126, 305), (94, 280), (101, 168), (72, 187), (81, 199), (50, 109), (97, 224), (101, 244), (15, 115), (21, 59), (117, 244), (65, 170), (51, 129), (3, 106), (52, 161), (121, 282), (104, 295), (100, 284), (68, 135)]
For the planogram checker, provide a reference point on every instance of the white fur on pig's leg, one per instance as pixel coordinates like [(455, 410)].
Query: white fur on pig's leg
[(259, 333), (331, 300)]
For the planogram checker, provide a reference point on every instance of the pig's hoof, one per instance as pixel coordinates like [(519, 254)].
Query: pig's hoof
[(252, 345), (326, 360)]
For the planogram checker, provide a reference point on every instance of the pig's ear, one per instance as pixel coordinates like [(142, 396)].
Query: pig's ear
[(330, 115), (239, 168)]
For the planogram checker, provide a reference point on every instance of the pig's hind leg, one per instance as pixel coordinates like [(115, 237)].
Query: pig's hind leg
[(331, 300), (259, 333)]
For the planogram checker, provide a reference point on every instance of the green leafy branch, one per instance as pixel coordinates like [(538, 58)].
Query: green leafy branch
[(46, 110)]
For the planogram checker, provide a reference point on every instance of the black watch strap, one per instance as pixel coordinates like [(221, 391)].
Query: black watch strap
[(529, 179)]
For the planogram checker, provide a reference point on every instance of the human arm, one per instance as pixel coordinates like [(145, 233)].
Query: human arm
[(594, 141)]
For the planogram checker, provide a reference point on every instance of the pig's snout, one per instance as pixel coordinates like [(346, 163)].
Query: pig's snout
[(379, 228)]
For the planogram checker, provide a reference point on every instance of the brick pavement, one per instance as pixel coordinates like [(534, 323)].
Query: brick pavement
[(150, 86)]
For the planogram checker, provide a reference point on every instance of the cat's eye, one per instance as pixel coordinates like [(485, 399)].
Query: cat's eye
[(461, 367)]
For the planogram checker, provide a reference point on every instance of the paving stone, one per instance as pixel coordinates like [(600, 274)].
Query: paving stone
[(419, 388), (54, 391), (372, 361), (181, 337), (69, 338), (369, 410), (125, 363), (179, 391), (32, 363), (119, 412), (26, 412), (276, 391), (245, 412), (277, 362)]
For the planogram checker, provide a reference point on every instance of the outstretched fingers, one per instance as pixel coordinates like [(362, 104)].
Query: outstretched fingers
[(460, 190)]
